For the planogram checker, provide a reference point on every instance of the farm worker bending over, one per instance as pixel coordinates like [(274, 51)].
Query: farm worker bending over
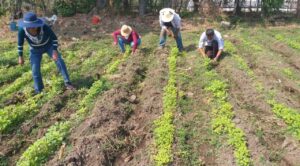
[(41, 40), (211, 44), (170, 23), (126, 35)]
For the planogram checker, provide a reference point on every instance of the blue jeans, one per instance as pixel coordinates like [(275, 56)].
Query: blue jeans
[(35, 60), (122, 43), (163, 39)]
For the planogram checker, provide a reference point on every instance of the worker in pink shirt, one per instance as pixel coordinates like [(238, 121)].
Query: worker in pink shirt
[(126, 35)]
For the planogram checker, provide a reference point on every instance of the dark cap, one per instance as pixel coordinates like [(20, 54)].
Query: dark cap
[(210, 32)]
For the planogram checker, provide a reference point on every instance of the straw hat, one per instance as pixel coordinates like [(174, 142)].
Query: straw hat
[(167, 14), (126, 30)]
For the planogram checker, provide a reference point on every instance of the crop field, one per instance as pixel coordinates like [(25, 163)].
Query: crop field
[(158, 107)]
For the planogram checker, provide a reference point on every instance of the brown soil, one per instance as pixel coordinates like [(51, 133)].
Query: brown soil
[(287, 91), (196, 122), (13, 145), (265, 133), (119, 126), (291, 56)]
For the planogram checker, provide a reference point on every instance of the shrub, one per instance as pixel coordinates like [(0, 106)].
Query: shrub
[(64, 8)]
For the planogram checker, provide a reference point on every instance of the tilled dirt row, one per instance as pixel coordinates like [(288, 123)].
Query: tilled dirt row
[(268, 141), (268, 68), (286, 91), (119, 126)]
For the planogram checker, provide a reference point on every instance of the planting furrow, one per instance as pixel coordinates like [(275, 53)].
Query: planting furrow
[(288, 115), (58, 132), (195, 142), (252, 112), (108, 130), (277, 51), (149, 94), (285, 89), (290, 42)]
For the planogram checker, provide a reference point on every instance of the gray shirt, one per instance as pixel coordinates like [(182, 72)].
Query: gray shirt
[(176, 22)]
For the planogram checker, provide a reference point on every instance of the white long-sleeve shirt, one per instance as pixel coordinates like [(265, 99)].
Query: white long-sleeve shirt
[(205, 42)]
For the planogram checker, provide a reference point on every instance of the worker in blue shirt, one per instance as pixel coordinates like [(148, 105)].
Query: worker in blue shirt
[(42, 40)]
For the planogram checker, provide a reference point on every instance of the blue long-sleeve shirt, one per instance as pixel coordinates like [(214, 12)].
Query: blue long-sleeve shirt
[(47, 38)]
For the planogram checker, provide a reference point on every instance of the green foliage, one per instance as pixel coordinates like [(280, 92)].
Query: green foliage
[(223, 114), (113, 67), (38, 153), (208, 64), (164, 128), (85, 6), (290, 42), (270, 6), (288, 72), (64, 8), (15, 114), (291, 117), (251, 45), (231, 49)]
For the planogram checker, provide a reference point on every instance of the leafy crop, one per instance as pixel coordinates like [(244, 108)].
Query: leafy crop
[(164, 128)]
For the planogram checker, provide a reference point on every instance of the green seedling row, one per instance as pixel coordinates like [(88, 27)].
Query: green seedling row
[(164, 127), (223, 115)]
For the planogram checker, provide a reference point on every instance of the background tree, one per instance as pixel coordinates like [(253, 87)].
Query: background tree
[(298, 8)]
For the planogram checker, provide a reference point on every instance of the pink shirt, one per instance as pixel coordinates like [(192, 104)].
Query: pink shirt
[(133, 37)]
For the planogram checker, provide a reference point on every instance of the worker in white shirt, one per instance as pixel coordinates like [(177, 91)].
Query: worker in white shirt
[(211, 44)]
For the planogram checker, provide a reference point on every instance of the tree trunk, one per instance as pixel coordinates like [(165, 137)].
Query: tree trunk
[(298, 8), (100, 4), (196, 5), (237, 7), (125, 5), (142, 7)]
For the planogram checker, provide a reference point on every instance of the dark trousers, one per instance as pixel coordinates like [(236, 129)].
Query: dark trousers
[(212, 51)]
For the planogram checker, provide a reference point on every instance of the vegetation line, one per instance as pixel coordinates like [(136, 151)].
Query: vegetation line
[(164, 127)]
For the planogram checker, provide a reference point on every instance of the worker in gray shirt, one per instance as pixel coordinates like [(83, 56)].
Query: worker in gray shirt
[(170, 23), (211, 44)]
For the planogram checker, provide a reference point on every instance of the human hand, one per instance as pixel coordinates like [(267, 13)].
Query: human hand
[(55, 55), (21, 60)]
